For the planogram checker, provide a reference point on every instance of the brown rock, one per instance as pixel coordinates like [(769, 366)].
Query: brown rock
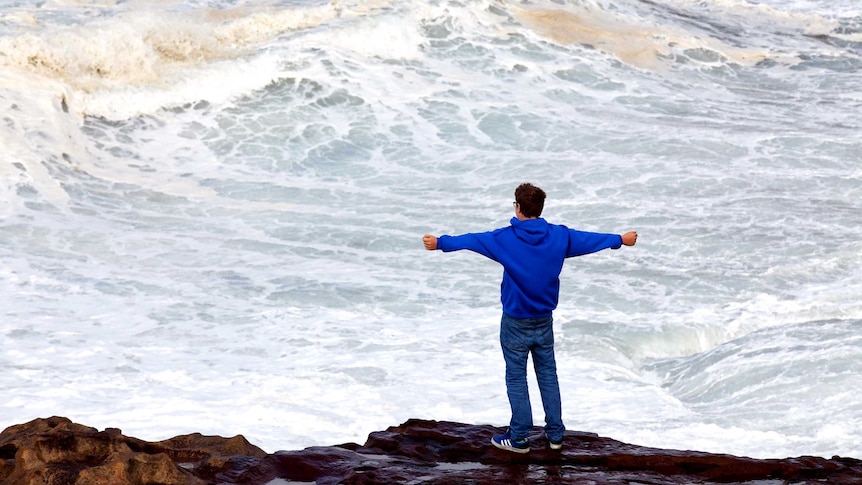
[(55, 451)]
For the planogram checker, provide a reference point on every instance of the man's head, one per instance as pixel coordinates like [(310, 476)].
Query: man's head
[(530, 200)]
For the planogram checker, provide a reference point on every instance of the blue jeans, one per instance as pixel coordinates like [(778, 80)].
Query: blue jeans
[(520, 337)]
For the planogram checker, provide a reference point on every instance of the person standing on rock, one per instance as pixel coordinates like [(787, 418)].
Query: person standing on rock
[(532, 252)]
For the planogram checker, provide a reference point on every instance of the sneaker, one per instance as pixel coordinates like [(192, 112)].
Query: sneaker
[(555, 445), (505, 442)]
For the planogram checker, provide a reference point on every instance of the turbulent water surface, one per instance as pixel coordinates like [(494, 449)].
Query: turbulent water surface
[(211, 215)]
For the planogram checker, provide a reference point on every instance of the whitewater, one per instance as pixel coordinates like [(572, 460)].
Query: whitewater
[(211, 215)]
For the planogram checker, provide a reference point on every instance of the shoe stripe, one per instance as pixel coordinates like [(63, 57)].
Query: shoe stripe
[(511, 444), (507, 443)]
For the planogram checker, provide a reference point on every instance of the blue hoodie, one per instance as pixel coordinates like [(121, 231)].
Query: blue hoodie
[(532, 252)]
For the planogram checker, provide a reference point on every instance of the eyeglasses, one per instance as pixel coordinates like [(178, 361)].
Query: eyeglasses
[(515, 204)]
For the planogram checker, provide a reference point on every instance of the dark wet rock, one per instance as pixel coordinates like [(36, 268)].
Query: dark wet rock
[(56, 451)]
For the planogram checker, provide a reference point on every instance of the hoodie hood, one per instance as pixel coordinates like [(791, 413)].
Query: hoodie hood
[(531, 231)]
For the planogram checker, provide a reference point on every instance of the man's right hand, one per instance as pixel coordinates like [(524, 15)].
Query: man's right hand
[(630, 238), (430, 242)]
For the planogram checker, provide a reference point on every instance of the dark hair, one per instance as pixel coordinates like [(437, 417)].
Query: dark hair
[(531, 199)]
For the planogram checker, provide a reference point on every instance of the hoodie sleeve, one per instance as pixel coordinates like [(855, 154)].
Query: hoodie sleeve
[(480, 242), (581, 242)]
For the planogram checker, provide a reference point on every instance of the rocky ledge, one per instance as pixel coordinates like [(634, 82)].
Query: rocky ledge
[(56, 451)]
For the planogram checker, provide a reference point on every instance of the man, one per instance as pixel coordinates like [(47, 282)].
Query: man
[(532, 252)]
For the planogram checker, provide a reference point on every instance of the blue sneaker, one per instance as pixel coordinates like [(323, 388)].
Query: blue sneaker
[(505, 442), (555, 445)]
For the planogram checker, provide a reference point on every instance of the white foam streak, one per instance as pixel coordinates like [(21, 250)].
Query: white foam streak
[(218, 82), (387, 37), (40, 130)]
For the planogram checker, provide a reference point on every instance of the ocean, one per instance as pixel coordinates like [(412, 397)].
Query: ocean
[(211, 215)]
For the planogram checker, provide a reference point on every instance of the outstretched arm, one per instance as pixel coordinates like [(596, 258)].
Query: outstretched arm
[(630, 238), (478, 242)]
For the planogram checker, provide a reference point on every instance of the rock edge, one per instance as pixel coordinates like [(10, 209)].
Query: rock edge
[(56, 451)]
